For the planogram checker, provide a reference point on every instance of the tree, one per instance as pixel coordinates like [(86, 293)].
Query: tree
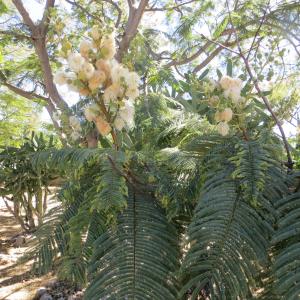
[(193, 202), (18, 118), (24, 190)]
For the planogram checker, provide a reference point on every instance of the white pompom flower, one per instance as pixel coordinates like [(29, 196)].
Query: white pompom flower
[(127, 112), (223, 128), (85, 47), (227, 114), (75, 61), (112, 92), (232, 88), (132, 93), (118, 72), (95, 33), (119, 123), (108, 46), (88, 70), (73, 88), (132, 79), (234, 94), (91, 112), (60, 78), (225, 82)]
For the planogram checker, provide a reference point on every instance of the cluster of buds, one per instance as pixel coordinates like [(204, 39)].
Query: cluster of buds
[(94, 72), (225, 96)]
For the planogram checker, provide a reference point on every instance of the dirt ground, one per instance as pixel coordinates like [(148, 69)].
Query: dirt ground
[(15, 280)]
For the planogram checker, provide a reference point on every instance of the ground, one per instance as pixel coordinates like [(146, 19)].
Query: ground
[(15, 280)]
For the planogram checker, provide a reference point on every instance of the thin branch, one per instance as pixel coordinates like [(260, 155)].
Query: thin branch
[(179, 73), (208, 59), (257, 32), (198, 52), (117, 7), (25, 94), (290, 162), (134, 19), (23, 12), (224, 46), (15, 34), (46, 16), (32, 96), (190, 58), (84, 10), (175, 7)]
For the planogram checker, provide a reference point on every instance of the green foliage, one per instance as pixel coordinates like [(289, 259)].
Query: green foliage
[(112, 234), (228, 241), (138, 258), (16, 119), (252, 162), (110, 189), (287, 243), (21, 184)]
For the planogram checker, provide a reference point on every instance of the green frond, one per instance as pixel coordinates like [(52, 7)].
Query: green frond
[(227, 241), (138, 258), (64, 158), (109, 191), (96, 228), (50, 240), (286, 268), (179, 160), (203, 144), (251, 164)]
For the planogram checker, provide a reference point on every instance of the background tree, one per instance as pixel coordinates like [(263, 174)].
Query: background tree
[(18, 118), (194, 34)]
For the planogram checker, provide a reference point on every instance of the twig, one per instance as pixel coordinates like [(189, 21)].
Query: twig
[(257, 32), (84, 10), (117, 7)]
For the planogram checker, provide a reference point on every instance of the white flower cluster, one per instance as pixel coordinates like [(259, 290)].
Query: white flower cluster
[(223, 117), (94, 72), (232, 88)]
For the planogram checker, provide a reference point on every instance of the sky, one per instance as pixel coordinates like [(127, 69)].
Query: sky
[(35, 9)]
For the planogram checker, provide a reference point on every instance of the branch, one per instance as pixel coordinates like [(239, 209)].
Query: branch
[(290, 162), (135, 16), (25, 94), (39, 42), (23, 12), (198, 52), (175, 7), (119, 11), (46, 17), (32, 96), (216, 52), (257, 32), (15, 34), (84, 10), (188, 59), (208, 59)]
